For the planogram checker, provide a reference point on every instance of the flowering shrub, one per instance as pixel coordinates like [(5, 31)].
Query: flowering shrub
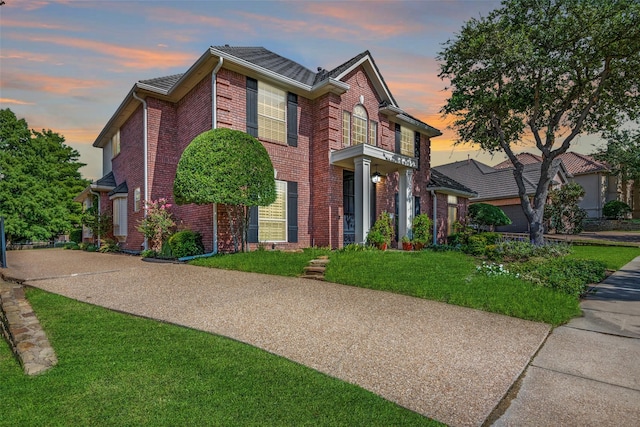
[(158, 225), (493, 269)]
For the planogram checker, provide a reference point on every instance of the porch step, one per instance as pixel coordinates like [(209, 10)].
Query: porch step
[(316, 268)]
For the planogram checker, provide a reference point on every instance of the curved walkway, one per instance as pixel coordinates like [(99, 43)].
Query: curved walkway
[(446, 362)]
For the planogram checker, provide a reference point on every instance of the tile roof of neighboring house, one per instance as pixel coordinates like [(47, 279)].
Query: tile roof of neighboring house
[(120, 189), (575, 163), (438, 180), (524, 158), (579, 164), (489, 183)]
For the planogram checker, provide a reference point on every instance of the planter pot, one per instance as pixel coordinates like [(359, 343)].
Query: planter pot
[(418, 246), (382, 246), (407, 246)]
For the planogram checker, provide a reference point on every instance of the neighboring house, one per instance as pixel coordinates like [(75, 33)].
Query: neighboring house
[(497, 186), (451, 202), (342, 149), (594, 176)]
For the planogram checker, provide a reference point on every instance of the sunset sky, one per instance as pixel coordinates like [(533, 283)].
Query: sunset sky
[(66, 65)]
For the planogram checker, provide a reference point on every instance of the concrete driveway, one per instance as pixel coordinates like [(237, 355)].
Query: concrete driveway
[(446, 362)]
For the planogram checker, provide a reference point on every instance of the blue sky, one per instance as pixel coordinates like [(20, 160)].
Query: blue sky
[(66, 65)]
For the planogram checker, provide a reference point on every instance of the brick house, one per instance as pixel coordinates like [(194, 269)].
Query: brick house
[(342, 149)]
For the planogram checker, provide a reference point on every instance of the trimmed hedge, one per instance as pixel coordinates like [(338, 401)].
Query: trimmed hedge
[(186, 243)]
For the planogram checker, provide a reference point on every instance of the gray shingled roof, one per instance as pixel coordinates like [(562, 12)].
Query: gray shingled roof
[(107, 181), (120, 189), (440, 180), (490, 183), (271, 61)]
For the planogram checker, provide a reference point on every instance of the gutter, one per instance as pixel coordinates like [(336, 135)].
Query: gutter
[(99, 210), (435, 217), (146, 156)]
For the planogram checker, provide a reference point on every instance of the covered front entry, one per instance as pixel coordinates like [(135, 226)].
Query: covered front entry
[(359, 192)]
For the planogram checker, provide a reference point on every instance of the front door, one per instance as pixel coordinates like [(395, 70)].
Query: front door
[(349, 207)]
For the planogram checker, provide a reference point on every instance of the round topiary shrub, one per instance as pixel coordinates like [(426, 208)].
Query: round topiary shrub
[(186, 243), (615, 209)]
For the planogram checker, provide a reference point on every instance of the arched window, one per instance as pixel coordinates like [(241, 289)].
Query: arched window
[(359, 125)]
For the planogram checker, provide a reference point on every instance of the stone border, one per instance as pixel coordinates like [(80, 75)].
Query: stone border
[(23, 332)]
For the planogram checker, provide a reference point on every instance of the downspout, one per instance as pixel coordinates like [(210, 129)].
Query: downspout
[(146, 157), (99, 211), (214, 125), (435, 217)]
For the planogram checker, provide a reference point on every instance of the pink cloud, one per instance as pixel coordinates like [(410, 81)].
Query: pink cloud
[(48, 84), (129, 57), (15, 101)]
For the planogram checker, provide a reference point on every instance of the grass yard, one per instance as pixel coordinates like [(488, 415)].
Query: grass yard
[(443, 276), (450, 277), (613, 256), (116, 369), (267, 262)]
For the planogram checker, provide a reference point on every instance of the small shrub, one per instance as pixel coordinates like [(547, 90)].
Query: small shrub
[(72, 245), (76, 235), (148, 253), (421, 229), (615, 209), (109, 245), (569, 276), (476, 245), (91, 248), (186, 243), (382, 227), (485, 215), (354, 247), (492, 237)]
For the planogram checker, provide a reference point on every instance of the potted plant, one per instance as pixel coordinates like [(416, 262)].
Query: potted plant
[(376, 238), (384, 226), (407, 245), (421, 231)]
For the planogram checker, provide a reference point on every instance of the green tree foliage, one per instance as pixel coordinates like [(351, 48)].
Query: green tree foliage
[(228, 167), (543, 71), (484, 215), (622, 154), (615, 209), (562, 212), (39, 177)]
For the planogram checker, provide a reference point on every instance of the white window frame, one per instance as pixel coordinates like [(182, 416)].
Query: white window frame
[(346, 128), (373, 133), (137, 200), (272, 113), (359, 125), (120, 225), (115, 144), (407, 142), (281, 191)]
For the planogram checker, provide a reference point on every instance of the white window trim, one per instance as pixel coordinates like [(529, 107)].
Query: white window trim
[(121, 216), (286, 217), (284, 121)]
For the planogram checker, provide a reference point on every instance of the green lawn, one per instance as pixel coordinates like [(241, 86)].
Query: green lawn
[(614, 256), (116, 369), (441, 276)]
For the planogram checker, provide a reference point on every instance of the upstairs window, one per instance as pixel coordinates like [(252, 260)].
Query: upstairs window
[(272, 113), (346, 128), (137, 202), (115, 144), (406, 142), (359, 125), (373, 133)]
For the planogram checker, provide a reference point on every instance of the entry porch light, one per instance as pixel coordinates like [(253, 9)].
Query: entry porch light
[(377, 177)]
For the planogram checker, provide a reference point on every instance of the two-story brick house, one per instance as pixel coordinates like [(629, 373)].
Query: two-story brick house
[(342, 149)]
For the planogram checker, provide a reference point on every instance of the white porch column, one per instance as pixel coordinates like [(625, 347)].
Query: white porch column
[(362, 177), (405, 203)]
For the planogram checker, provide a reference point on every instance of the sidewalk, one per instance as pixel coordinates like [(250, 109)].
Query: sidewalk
[(446, 362), (588, 371)]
